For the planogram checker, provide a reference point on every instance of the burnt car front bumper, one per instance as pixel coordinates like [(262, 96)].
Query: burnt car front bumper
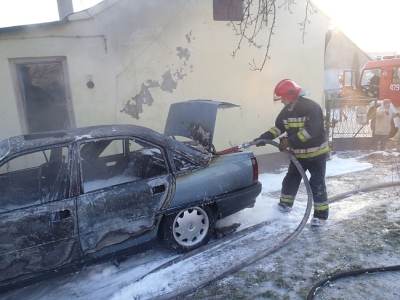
[(233, 202)]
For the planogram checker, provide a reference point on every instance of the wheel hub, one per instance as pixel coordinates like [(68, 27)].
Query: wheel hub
[(190, 226)]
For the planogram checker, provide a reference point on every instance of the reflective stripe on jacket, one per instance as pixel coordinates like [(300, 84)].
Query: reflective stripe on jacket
[(303, 121), (311, 152)]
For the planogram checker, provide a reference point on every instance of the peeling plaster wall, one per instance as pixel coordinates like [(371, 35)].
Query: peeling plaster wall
[(155, 52)]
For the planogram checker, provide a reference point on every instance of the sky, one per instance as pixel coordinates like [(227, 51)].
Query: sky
[(19, 12), (370, 24)]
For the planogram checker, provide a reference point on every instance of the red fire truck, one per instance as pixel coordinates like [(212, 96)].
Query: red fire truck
[(380, 79), (350, 112)]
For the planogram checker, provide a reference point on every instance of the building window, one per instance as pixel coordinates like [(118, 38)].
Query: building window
[(396, 75), (228, 10), (43, 93)]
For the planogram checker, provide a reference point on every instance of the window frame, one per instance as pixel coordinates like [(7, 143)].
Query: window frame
[(182, 172), (395, 70), (16, 156), (19, 89), (67, 145), (162, 151), (369, 70), (126, 151)]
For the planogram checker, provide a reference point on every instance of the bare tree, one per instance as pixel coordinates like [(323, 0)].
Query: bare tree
[(259, 22)]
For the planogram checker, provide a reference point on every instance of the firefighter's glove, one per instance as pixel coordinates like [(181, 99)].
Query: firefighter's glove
[(259, 142), (283, 144)]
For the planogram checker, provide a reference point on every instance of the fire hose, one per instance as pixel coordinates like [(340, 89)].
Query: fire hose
[(264, 253), (357, 272), (320, 284), (260, 254)]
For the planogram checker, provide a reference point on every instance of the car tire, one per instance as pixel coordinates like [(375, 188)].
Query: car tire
[(189, 228)]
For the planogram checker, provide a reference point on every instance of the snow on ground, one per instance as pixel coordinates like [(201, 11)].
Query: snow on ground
[(367, 238), (363, 231), (339, 166), (285, 275), (335, 166), (265, 208)]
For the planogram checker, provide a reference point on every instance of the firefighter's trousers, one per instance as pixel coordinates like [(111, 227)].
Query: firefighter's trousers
[(290, 185)]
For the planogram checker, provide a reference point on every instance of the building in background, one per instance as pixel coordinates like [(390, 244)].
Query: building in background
[(342, 54), (125, 61)]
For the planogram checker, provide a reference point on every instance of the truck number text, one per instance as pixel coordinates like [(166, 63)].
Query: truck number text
[(395, 87)]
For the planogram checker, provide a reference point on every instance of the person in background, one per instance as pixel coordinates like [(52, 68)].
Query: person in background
[(395, 133), (383, 119)]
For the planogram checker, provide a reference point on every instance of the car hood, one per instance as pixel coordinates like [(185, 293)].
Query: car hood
[(195, 119)]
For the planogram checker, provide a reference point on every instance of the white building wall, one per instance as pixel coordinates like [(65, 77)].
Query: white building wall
[(131, 42)]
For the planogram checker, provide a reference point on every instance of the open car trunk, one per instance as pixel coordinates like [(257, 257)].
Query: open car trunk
[(195, 120)]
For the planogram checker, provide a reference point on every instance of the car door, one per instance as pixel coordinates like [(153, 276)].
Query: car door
[(124, 183), (38, 228)]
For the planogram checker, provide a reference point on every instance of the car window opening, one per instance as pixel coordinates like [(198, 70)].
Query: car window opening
[(106, 163), (34, 178)]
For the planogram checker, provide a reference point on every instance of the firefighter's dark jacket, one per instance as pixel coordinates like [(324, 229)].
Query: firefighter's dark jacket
[(303, 122)]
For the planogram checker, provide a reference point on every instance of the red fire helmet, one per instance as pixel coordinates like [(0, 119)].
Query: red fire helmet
[(288, 90)]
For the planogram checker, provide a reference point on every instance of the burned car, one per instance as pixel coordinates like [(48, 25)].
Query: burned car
[(72, 196)]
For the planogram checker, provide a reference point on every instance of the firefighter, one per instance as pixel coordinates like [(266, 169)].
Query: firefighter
[(302, 121)]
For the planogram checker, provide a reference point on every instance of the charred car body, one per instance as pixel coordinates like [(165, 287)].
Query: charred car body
[(73, 196)]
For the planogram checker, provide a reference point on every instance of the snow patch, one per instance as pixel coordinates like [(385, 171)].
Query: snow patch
[(335, 166), (266, 204), (339, 166)]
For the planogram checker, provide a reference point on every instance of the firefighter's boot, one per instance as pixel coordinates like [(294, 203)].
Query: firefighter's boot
[(284, 207), (317, 222), (285, 203)]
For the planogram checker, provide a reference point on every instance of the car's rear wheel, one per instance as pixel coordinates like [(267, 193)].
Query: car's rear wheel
[(189, 228)]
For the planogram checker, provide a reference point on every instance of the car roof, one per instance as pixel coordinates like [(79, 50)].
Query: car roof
[(22, 143)]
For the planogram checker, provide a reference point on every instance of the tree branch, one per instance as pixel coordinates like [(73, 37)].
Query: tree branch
[(269, 37), (260, 16), (303, 25)]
